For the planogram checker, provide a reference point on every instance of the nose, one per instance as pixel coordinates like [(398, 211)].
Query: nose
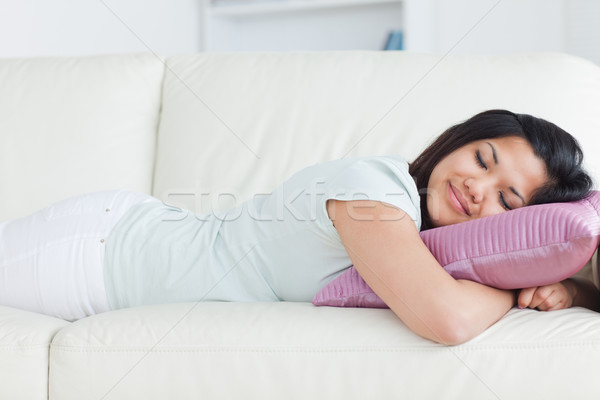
[(476, 189)]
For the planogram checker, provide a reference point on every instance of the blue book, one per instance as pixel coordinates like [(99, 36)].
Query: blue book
[(394, 41)]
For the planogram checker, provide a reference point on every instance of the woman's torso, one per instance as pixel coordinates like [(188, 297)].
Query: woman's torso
[(280, 246)]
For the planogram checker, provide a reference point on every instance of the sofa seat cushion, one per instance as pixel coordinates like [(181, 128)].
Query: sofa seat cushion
[(296, 350)]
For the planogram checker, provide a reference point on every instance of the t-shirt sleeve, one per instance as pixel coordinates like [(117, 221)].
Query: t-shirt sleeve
[(384, 179)]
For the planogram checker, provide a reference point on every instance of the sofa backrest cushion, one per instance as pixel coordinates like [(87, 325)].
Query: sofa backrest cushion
[(235, 125), (75, 125)]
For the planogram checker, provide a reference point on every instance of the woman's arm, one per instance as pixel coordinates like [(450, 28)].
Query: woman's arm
[(386, 249)]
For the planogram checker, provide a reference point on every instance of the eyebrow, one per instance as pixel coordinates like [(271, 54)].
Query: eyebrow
[(512, 189), (493, 153)]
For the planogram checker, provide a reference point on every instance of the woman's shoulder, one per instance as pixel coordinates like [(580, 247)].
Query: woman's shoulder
[(388, 170), (393, 159), (381, 178), (360, 165), (375, 172)]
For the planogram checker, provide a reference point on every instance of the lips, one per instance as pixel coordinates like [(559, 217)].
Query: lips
[(457, 200)]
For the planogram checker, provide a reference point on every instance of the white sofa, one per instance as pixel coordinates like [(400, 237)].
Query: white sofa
[(206, 131)]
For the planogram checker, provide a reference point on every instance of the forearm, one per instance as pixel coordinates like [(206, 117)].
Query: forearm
[(486, 305), (393, 260), (583, 292), (464, 312)]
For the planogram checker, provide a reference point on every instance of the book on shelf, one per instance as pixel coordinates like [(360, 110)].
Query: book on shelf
[(394, 40)]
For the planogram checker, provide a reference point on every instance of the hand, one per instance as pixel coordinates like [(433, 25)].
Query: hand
[(547, 298)]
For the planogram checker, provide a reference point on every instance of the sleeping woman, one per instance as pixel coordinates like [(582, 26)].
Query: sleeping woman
[(112, 250)]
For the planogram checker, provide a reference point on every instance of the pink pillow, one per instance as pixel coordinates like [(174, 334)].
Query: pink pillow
[(526, 247)]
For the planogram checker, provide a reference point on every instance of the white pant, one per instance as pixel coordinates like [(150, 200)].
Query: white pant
[(52, 262)]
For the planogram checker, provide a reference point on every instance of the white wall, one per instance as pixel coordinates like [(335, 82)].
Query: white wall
[(501, 27), (583, 29), (504, 26), (167, 27), (82, 27)]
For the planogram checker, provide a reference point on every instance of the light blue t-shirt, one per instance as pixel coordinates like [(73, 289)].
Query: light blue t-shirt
[(277, 247)]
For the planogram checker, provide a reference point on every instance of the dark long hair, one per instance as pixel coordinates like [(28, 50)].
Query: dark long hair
[(561, 153)]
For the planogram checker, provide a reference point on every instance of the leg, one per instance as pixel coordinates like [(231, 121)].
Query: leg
[(52, 262)]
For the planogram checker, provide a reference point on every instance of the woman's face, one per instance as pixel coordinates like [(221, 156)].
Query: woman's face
[(483, 178)]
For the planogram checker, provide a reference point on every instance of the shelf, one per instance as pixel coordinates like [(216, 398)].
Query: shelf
[(241, 8)]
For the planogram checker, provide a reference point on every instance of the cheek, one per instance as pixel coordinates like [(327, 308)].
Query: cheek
[(440, 212), (491, 209), (433, 208), (436, 179)]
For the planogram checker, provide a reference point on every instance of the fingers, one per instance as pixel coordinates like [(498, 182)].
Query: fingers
[(542, 298), (545, 298), (525, 297)]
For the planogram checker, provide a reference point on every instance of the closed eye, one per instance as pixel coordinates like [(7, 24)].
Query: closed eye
[(480, 160), (504, 203)]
